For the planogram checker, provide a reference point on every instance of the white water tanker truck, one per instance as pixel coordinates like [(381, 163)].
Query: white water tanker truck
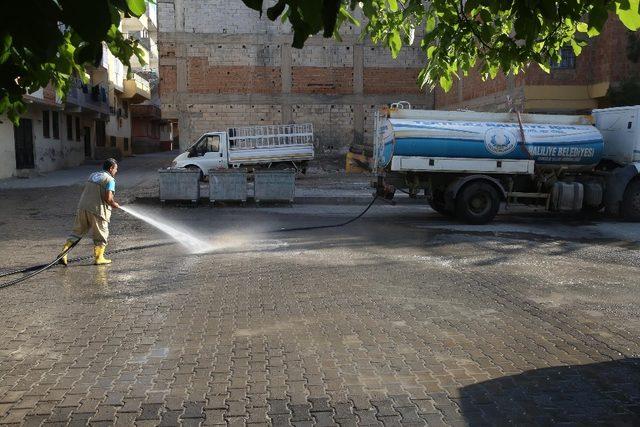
[(469, 163)]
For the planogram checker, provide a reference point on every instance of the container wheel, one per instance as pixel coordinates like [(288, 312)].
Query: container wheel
[(477, 203), (631, 201)]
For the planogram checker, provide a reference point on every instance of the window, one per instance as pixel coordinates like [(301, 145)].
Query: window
[(77, 128), (125, 109), (212, 143), (45, 124), (126, 144), (55, 119), (69, 128), (208, 144), (112, 139), (567, 60)]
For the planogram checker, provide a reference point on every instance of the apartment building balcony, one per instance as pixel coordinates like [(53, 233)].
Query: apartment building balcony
[(87, 98), (146, 55), (147, 111), (137, 24), (44, 96), (136, 90)]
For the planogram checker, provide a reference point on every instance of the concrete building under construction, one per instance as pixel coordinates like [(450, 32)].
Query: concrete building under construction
[(222, 65)]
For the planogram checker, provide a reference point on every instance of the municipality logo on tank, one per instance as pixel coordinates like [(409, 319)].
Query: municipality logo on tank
[(500, 141)]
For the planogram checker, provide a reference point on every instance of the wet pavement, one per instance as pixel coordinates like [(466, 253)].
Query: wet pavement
[(403, 317)]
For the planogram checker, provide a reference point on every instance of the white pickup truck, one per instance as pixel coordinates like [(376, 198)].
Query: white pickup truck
[(270, 146)]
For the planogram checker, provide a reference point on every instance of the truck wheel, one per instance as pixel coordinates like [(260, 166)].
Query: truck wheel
[(437, 204), (477, 203), (196, 168), (631, 201)]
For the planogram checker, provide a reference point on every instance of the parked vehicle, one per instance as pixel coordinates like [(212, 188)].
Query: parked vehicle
[(271, 146), (468, 163)]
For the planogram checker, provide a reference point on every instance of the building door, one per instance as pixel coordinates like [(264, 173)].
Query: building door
[(87, 142), (101, 135), (23, 136)]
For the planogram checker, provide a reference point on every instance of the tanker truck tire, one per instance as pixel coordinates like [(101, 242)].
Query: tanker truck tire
[(477, 203), (631, 202), (437, 204), (439, 207)]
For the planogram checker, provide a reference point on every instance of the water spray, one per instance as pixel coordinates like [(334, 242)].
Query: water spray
[(193, 244)]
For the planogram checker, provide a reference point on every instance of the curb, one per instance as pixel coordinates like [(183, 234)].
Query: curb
[(303, 200)]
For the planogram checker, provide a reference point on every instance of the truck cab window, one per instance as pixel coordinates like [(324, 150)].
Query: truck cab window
[(208, 144), (212, 143)]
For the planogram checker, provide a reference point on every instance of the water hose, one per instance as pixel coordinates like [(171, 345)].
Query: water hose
[(34, 269), (318, 227), (37, 269)]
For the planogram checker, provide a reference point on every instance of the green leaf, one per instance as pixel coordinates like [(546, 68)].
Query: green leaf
[(276, 10), (393, 5), (395, 44), (577, 49), (470, 5), (136, 7), (545, 67), (493, 71), (91, 19), (347, 16), (548, 9), (330, 10), (629, 14), (582, 27), (598, 16), (254, 4), (299, 37), (431, 23), (446, 82), (430, 50)]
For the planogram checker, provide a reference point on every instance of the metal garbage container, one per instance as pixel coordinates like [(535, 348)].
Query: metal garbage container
[(179, 184), (228, 185), (274, 186)]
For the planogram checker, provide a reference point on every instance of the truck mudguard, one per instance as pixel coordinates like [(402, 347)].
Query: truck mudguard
[(617, 183), (452, 190)]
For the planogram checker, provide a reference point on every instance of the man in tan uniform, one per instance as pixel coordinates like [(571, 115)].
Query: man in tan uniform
[(94, 211)]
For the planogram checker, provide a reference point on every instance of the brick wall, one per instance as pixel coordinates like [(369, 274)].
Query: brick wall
[(322, 80), (391, 80), (167, 83), (203, 78)]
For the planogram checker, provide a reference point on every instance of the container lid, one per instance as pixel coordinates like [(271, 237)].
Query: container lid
[(178, 170)]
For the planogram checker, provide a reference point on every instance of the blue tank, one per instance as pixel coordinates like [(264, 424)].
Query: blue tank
[(550, 145)]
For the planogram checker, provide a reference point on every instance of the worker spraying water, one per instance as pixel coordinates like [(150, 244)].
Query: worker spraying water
[(94, 212)]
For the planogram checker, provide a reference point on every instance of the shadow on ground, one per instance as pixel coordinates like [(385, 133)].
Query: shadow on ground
[(600, 393)]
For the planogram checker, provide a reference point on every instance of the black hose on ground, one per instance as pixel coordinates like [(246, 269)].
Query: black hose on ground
[(34, 269), (37, 269), (40, 266), (318, 227)]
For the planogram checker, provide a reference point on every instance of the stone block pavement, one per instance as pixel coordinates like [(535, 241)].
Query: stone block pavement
[(382, 324)]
